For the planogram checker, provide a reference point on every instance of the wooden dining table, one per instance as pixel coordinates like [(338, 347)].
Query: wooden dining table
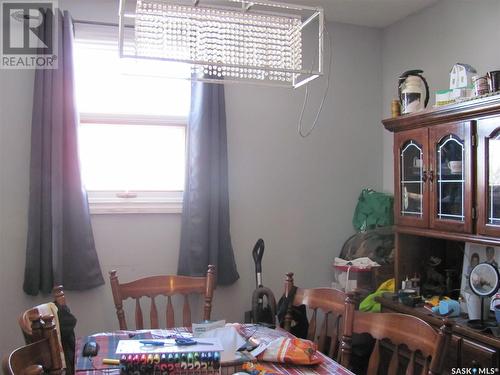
[(108, 342)]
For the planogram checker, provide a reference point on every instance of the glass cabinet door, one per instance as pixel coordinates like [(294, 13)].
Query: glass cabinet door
[(411, 179), (493, 172), (449, 177), (410, 202), (488, 177)]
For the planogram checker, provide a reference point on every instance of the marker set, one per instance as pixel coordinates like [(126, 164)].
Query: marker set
[(185, 363)]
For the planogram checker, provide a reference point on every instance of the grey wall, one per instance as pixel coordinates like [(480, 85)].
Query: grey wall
[(433, 40), (298, 194)]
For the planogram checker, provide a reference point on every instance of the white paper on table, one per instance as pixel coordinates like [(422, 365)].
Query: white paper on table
[(200, 328), (230, 340), (259, 349)]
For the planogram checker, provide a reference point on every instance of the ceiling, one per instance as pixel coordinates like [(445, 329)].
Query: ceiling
[(374, 13)]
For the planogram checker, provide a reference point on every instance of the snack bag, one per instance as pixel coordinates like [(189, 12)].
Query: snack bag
[(294, 351)]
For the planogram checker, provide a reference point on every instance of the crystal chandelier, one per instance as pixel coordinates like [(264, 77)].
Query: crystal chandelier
[(228, 40)]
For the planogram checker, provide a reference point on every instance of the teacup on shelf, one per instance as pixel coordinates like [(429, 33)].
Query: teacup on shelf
[(455, 166)]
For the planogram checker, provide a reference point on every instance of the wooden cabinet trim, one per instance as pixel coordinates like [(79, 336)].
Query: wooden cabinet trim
[(455, 112), (445, 235)]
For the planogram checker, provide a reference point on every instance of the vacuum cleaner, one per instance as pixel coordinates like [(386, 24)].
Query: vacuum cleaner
[(261, 314)]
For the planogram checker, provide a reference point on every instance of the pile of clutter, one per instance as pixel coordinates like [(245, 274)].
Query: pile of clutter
[(466, 83)]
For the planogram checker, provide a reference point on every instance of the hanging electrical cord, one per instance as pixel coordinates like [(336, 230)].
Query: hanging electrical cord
[(327, 87)]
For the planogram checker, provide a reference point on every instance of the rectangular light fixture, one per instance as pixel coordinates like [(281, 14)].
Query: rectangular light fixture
[(228, 40)]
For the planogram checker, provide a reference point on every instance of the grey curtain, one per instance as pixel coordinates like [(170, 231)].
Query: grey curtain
[(60, 247), (205, 237)]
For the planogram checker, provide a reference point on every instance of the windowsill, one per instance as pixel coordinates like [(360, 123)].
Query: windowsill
[(107, 204), (134, 208)]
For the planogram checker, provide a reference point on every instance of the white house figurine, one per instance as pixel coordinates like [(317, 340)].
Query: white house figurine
[(461, 76)]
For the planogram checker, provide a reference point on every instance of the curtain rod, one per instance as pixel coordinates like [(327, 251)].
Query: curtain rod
[(98, 23)]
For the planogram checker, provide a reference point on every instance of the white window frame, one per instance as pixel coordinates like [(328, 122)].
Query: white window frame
[(133, 202)]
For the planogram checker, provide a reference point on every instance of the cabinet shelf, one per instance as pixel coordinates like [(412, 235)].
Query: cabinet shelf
[(424, 232)]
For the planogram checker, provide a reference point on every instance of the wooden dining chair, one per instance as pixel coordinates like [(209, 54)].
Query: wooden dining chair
[(41, 356), (45, 309), (167, 286), (330, 302), (413, 342)]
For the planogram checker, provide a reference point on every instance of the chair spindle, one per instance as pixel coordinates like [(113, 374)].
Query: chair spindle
[(425, 369), (186, 312), (334, 337), (50, 333), (374, 360), (139, 322), (394, 363), (323, 333), (411, 364), (311, 332), (153, 315), (170, 313)]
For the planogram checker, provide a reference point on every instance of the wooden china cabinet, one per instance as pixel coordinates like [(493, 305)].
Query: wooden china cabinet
[(447, 193)]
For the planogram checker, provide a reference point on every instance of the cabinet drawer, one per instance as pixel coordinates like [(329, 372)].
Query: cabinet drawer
[(475, 354)]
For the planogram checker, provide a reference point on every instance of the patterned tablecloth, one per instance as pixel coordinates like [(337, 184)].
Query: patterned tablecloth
[(108, 342)]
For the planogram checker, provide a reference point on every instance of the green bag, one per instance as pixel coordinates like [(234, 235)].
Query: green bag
[(373, 210)]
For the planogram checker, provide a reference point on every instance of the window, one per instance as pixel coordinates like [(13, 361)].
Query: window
[(132, 129)]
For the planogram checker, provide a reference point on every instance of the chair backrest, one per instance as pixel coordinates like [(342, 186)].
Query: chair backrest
[(424, 345), (167, 286), (327, 300), (45, 309), (41, 356)]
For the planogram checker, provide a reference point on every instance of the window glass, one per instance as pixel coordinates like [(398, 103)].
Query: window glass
[(120, 148), (132, 157)]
